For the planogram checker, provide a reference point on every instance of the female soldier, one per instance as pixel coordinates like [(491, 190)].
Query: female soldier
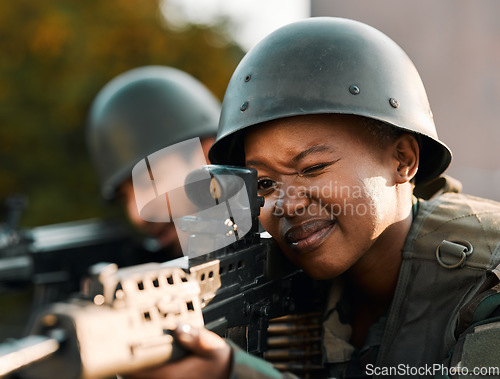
[(334, 117)]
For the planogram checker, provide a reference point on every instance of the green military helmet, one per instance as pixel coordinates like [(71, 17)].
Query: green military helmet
[(328, 65), (142, 111)]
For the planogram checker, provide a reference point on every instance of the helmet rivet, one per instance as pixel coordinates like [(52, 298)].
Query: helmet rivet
[(354, 89), (248, 77), (244, 106), (394, 103)]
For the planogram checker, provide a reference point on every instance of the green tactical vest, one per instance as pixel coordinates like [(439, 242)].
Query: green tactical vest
[(453, 241)]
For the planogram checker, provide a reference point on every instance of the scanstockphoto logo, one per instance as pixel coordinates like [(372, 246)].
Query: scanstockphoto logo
[(437, 369), (174, 185), (332, 200)]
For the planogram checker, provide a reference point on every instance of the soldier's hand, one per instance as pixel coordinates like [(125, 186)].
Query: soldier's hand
[(210, 357)]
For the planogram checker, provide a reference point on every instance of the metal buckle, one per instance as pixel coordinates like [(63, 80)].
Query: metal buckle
[(458, 247)]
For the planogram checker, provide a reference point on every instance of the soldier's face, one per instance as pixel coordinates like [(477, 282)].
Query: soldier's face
[(329, 190), (164, 232)]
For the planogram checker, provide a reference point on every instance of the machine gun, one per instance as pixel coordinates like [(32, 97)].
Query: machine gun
[(124, 319)]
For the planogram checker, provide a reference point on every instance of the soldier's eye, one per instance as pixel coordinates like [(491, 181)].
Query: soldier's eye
[(265, 186), (316, 169)]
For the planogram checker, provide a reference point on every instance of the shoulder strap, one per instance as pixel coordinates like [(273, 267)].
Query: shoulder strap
[(478, 333), (482, 305)]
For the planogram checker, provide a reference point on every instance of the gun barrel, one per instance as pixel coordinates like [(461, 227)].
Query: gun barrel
[(17, 354), (18, 268)]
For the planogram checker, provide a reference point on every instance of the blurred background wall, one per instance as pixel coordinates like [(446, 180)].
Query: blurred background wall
[(455, 45)]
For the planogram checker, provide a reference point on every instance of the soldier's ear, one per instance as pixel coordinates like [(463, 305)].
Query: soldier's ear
[(406, 158)]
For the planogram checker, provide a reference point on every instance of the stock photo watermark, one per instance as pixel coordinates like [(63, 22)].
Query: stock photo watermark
[(331, 200), (431, 370)]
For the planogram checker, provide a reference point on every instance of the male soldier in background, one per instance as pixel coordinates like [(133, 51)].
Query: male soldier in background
[(136, 114)]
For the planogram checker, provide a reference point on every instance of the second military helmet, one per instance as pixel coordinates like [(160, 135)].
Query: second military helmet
[(328, 65), (142, 111)]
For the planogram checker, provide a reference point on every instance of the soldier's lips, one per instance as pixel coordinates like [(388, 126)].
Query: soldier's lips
[(308, 235)]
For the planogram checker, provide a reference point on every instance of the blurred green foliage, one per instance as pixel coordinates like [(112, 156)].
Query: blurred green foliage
[(56, 56)]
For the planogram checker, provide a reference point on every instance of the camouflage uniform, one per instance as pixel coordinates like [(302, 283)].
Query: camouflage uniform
[(436, 309)]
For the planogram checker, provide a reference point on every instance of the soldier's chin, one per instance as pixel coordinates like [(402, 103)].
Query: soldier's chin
[(168, 238), (319, 270), (165, 239)]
